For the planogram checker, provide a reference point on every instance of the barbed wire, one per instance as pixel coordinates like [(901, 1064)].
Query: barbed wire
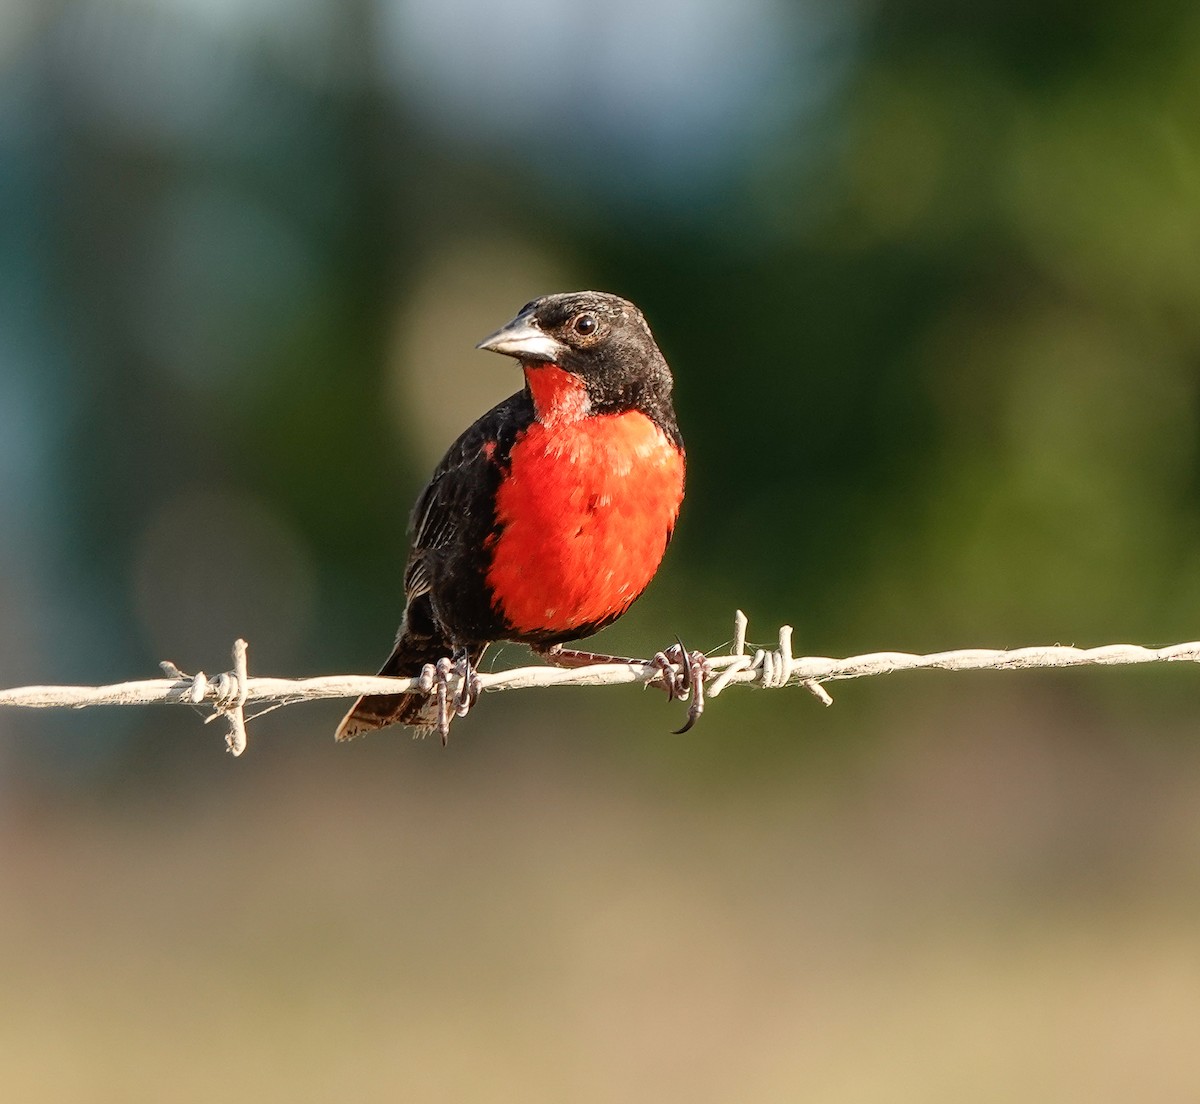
[(230, 693)]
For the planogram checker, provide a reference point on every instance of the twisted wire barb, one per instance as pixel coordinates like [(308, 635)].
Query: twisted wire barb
[(229, 694)]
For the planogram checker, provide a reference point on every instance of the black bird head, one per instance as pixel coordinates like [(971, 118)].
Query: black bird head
[(601, 338)]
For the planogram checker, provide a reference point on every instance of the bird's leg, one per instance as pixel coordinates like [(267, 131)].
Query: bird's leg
[(570, 657)]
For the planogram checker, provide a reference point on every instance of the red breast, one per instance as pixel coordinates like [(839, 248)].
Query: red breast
[(585, 512)]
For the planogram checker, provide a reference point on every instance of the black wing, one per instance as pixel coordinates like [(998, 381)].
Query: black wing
[(453, 517)]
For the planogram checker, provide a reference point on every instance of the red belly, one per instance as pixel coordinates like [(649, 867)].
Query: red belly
[(584, 517)]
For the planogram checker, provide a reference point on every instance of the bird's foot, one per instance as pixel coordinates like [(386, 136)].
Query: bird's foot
[(683, 674), (437, 677)]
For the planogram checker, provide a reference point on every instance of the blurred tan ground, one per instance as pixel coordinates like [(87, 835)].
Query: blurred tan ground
[(995, 911)]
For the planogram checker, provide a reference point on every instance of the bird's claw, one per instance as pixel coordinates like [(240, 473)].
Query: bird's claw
[(466, 693), (469, 686), (683, 674)]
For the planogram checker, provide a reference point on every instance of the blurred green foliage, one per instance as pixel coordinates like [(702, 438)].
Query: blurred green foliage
[(931, 304)]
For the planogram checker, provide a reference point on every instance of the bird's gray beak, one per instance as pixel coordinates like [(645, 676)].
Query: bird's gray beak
[(523, 340)]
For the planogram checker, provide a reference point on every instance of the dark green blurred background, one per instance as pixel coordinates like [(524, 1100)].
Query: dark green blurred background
[(928, 276)]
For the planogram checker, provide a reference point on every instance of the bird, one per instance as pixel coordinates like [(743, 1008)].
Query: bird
[(548, 517)]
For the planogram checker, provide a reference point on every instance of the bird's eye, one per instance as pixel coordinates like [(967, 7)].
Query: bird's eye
[(585, 325)]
